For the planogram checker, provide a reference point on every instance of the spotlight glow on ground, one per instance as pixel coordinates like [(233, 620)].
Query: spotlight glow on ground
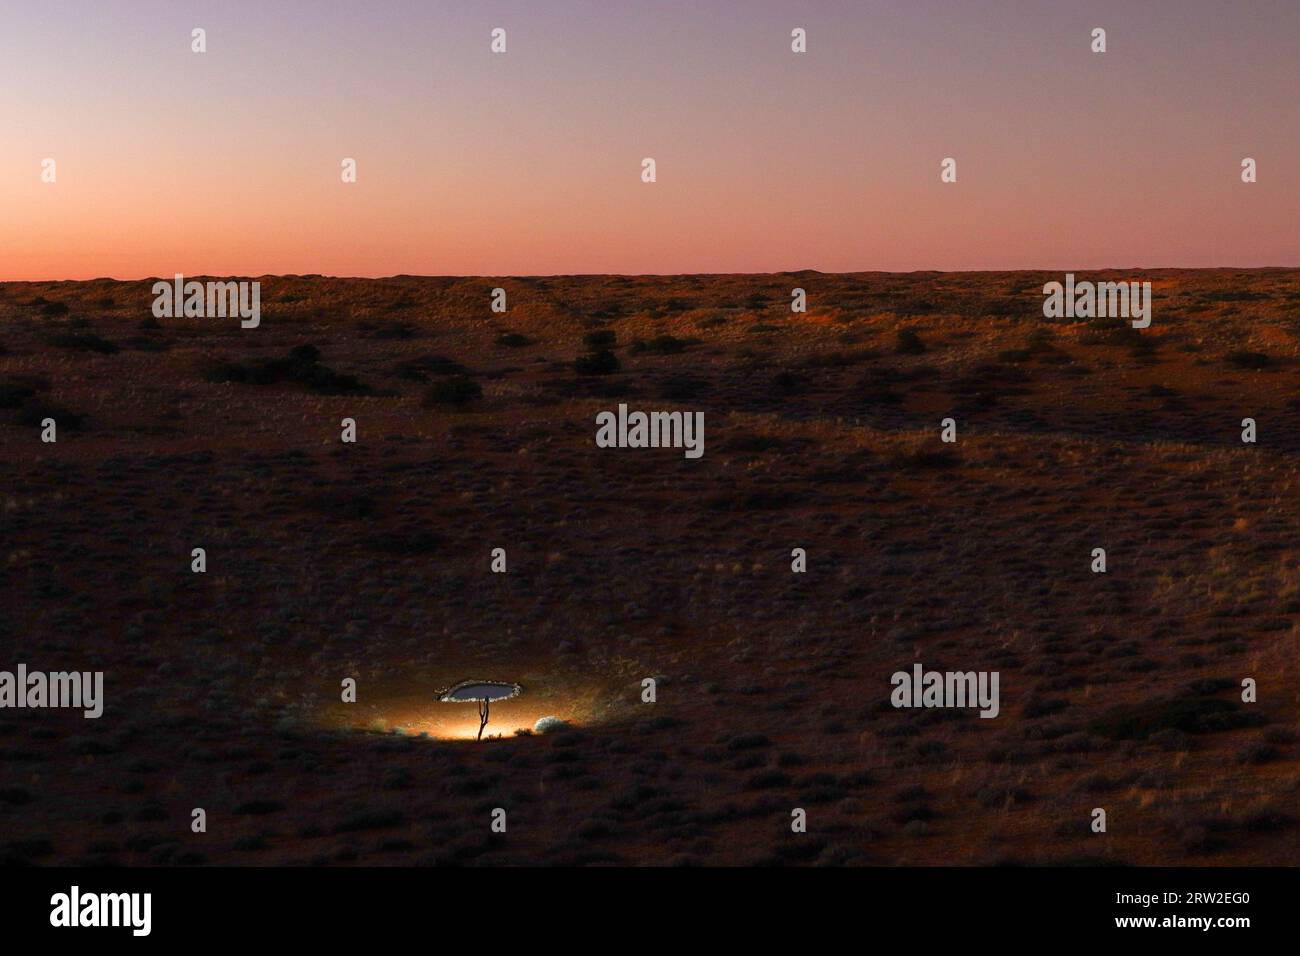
[(417, 713)]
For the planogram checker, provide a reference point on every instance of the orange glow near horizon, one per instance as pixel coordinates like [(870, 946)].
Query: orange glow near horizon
[(449, 721)]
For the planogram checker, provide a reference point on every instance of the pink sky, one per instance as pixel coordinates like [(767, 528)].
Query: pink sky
[(529, 162)]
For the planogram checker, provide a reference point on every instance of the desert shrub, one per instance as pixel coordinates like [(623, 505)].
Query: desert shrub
[(1266, 820), (420, 368), (873, 395), (513, 340), (683, 387), (994, 796), (145, 343), (603, 362), (749, 761), (1257, 753), (83, 342), (925, 458), (750, 442), (857, 778), (1096, 783), (405, 543), (299, 366), (258, 807), (456, 390), (20, 388), (21, 852), (325, 381), (1243, 358), (1211, 685), (1112, 331), (343, 504), (789, 383), (633, 797), (661, 345), (840, 358), (1170, 739), (600, 339), (767, 779), (654, 725), (371, 820), (993, 378), (1040, 339), (753, 500), (36, 410), (392, 330), (913, 811), (908, 342), (594, 828), (1188, 714), (52, 308), (1042, 706)]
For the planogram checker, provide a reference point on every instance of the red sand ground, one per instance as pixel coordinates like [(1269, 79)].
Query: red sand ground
[(371, 561)]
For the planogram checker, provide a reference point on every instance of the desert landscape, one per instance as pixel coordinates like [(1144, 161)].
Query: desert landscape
[(372, 560)]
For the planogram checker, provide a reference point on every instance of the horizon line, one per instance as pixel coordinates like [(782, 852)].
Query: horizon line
[(655, 275)]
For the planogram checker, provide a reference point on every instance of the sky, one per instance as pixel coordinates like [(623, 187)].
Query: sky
[(529, 162)]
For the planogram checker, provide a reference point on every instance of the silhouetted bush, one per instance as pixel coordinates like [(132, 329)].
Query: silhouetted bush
[(789, 383), (1190, 715), (421, 367), (17, 390), (299, 366), (1258, 752), (603, 362), (660, 345), (756, 500), (1245, 359), (908, 342), (82, 341), (36, 410), (456, 390), (343, 504), (922, 459)]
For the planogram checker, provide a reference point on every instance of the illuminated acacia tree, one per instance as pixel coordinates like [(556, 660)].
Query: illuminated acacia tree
[(481, 691)]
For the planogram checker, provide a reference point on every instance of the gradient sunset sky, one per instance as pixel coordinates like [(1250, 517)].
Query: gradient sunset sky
[(228, 162)]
